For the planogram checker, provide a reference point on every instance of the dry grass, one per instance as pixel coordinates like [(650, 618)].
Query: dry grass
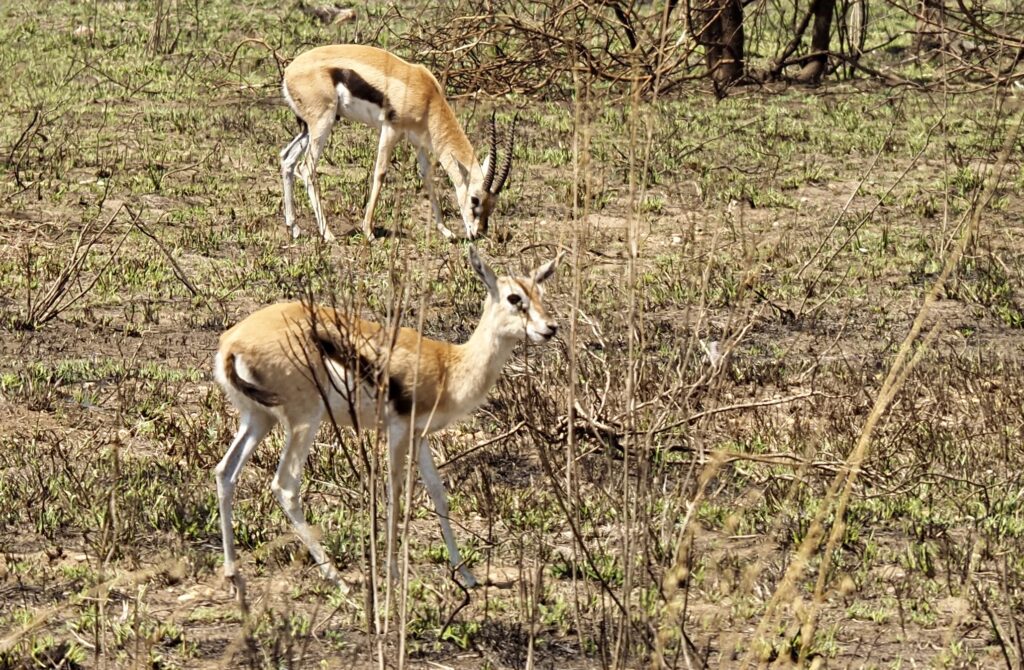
[(782, 425)]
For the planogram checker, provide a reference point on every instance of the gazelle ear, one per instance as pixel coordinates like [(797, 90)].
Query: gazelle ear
[(463, 171), (485, 273), (485, 167), (544, 272)]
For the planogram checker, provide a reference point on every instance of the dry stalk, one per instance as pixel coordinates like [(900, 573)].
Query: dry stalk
[(837, 497), (59, 297)]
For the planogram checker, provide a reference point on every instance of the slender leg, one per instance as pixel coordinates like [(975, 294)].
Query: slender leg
[(426, 174), (253, 427), (398, 461), (388, 138), (435, 487), (289, 157), (286, 486), (318, 135), (466, 222)]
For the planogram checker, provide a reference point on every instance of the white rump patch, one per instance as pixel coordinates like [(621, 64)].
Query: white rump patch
[(287, 95), (244, 371), (218, 370)]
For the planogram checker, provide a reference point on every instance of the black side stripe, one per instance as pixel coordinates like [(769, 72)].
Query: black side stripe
[(358, 86), (398, 396), (262, 396)]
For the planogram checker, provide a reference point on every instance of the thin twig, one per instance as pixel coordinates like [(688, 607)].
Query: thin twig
[(137, 222), (486, 443)]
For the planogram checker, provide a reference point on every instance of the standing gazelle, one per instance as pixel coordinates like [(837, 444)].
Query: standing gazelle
[(374, 87), (291, 363)]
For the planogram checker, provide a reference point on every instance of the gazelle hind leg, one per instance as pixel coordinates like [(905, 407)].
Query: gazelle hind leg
[(286, 484), (290, 156), (398, 462), (388, 138), (435, 487), (253, 427), (426, 174), (318, 135)]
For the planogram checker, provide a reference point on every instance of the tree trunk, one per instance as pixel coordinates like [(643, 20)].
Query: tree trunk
[(732, 39), (820, 37), (930, 25), (719, 29)]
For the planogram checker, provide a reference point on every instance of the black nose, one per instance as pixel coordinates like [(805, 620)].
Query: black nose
[(553, 327)]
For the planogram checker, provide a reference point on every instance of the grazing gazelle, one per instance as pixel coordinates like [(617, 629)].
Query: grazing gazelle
[(374, 87), (291, 363)]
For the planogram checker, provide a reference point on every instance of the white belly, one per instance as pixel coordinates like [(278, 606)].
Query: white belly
[(358, 109), (436, 422), (346, 398)]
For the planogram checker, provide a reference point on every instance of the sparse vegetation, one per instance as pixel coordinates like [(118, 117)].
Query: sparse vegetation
[(714, 446)]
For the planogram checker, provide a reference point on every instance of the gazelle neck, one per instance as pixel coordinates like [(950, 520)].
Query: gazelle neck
[(451, 146), (479, 361)]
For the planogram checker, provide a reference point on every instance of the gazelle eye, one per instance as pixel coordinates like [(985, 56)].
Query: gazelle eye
[(475, 201), (514, 299)]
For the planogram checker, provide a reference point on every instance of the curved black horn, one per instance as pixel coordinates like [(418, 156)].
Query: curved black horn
[(506, 163), (492, 162)]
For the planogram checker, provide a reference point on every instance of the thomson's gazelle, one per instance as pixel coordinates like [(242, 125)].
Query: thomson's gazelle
[(291, 363), (380, 89)]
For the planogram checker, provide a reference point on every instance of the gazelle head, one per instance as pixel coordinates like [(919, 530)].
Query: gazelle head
[(482, 194), (515, 304)]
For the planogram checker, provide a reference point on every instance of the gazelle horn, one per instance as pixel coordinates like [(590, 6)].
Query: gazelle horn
[(506, 164), (492, 157)]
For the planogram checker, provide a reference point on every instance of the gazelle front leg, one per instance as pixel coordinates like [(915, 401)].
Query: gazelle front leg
[(427, 175), (388, 138), (435, 487)]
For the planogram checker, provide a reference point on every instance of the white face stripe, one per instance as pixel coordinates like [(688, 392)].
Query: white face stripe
[(530, 313)]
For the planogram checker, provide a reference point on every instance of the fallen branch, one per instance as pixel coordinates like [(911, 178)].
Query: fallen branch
[(178, 272)]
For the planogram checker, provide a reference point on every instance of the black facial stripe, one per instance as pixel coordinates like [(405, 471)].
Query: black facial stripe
[(358, 87)]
